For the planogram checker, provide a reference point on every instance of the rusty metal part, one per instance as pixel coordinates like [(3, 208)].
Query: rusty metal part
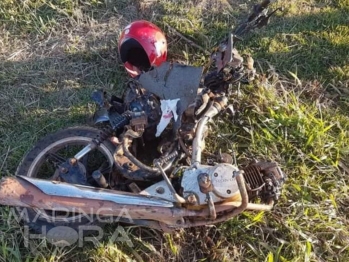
[(250, 206), (134, 188), (160, 190), (177, 197), (204, 180), (126, 141), (204, 98), (139, 122), (264, 180), (198, 142), (187, 131), (219, 179), (229, 213), (20, 191), (225, 158), (56, 188), (43, 194), (100, 179), (205, 183), (221, 158), (137, 175), (211, 207), (189, 112), (230, 206), (221, 102), (227, 55), (183, 146), (17, 191), (129, 170), (191, 199), (73, 172), (166, 159), (140, 119), (73, 161)]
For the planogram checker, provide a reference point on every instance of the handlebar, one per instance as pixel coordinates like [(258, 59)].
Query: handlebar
[(258, 18), (258, 9)]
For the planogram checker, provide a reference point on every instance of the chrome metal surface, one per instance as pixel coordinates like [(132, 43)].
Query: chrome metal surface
[(160, 190), (84, 151), (77, 191), (169, 186), (221, 177), (199, 135)]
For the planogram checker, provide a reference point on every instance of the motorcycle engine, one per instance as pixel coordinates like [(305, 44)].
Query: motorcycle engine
[(263, 181), (218, 180)]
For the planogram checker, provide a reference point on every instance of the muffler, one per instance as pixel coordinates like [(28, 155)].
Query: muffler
[(59, 196), (152, 211)]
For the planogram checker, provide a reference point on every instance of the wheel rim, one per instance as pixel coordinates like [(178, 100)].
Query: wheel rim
[(72, 144)]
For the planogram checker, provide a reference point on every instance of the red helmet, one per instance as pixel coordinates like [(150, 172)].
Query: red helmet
[(142, 45)]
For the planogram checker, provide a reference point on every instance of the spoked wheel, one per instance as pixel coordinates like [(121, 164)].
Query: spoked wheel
[(43, 162)]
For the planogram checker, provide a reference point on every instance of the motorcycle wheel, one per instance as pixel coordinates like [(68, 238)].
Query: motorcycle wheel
[(41, 161)]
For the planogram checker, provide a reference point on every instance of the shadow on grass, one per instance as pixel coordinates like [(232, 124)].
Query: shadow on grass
[(312, 44), (315, 46), (46, 79)]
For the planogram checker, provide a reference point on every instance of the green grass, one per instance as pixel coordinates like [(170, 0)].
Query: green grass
[(54, 53)]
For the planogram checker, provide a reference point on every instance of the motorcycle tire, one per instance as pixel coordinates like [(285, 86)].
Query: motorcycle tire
[(69, 229)]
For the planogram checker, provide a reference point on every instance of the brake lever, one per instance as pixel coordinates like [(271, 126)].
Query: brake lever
[(258, 10)]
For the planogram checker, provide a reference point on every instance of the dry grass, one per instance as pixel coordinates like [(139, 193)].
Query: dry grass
[(54, 53)]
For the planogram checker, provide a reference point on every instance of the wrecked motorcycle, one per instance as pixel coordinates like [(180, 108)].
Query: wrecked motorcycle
[(144, 163)]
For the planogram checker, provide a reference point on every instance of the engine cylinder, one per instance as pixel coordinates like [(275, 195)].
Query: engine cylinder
[(253, 176), (264, 181)]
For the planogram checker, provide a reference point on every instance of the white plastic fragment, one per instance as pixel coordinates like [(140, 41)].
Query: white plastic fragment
[(169, 111)]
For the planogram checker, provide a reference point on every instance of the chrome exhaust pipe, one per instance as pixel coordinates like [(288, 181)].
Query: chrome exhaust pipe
[(58, 196), (151, 211), (55, 188)]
